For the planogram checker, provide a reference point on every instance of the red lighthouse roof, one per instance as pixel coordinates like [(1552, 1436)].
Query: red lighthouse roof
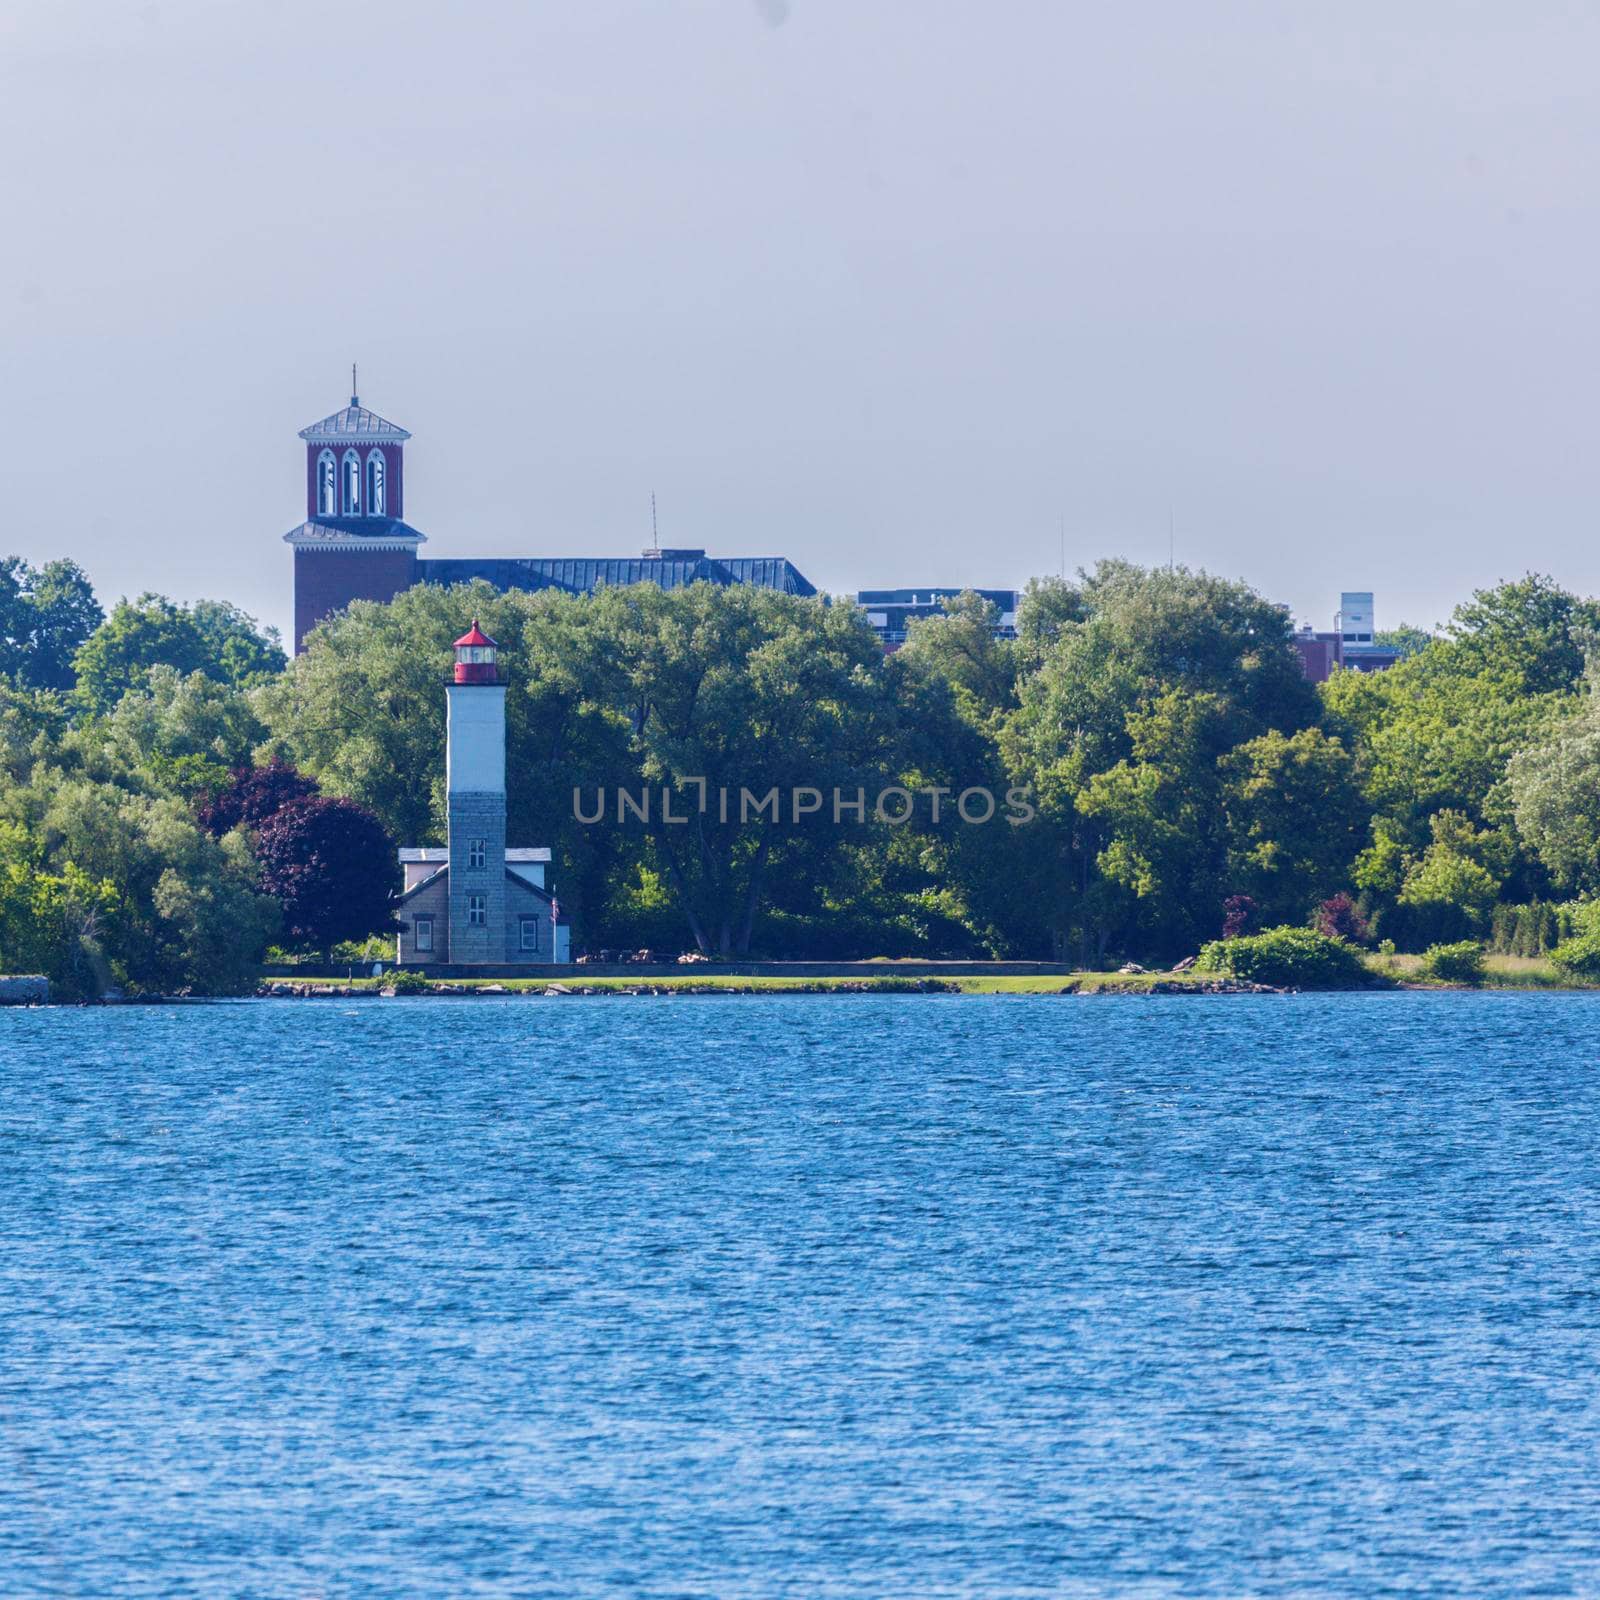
[(475, 636)]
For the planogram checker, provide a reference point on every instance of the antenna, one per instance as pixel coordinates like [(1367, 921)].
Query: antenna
[(1172, 540), (1063, 544), (655, 538), (355, 393)]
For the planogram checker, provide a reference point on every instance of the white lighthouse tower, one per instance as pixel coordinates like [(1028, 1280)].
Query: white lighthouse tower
[(475, 903), (475, 782)]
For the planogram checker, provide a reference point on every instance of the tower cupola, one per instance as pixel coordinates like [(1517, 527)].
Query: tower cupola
[(476, 657), (355, 462)]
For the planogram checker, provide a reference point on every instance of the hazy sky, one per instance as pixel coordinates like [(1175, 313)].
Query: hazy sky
[(891, 287)]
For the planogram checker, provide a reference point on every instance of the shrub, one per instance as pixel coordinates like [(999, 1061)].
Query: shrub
[(1293, 958), (1579, 955), (1454, 963), (404, 980)]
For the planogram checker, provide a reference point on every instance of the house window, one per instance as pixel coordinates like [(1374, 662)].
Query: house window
[(477, 910), (424, 935), (530, 933), (352, 484), (375, 494), (327, 501), (477, 852)]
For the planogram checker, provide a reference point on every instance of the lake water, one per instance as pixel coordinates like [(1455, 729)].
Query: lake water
[(896, 1297)]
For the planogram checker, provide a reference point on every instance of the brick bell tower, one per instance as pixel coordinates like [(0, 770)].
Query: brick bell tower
[(353, 544)]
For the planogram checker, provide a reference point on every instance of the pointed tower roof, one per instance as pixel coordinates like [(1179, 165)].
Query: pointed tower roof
[(354, 422), (475, 636)]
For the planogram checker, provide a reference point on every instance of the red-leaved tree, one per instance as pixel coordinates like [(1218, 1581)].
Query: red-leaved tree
[(331, 866), (252, 795), (1238, 915), (1337, 918)]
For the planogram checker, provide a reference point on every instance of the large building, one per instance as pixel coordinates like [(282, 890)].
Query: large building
[(356, 545), (476, 903), (891, 611), (1352, 643)]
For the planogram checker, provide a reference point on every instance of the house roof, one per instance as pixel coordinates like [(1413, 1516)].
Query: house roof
[(354, 422), (437, 852), (546, 895)]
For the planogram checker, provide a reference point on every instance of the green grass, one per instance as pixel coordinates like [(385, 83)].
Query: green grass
[(1501, 972)]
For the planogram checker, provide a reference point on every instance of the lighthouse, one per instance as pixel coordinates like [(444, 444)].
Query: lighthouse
[(475, 784), (475, 903)]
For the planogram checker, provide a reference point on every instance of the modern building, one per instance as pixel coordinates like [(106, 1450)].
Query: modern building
[(355, 544), (891, 611), (475, 902), (1352, 643)]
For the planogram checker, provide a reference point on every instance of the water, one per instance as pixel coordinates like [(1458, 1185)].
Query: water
[(814, 1297)]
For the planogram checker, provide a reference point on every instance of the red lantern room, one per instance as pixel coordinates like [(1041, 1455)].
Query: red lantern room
[(475, 657)]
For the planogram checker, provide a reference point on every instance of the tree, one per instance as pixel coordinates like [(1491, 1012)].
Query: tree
[(1100, 659), (1555, 786), (960, 648), (1405, 641), (1295, 818), (241, 651), (1161, 817), (212, 638), (331, 867), (252, 795), (1338, 918), (736, 690), (45, 616)]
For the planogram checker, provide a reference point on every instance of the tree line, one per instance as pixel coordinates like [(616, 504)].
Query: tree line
[(179, 797)]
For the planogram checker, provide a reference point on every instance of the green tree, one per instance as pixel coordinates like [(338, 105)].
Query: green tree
[(1125, 641), (45, 616), (960, 648), (1555, 788), (1295, 817), (212, 638)]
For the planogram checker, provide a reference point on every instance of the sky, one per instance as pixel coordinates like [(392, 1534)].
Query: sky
[(909, 291)]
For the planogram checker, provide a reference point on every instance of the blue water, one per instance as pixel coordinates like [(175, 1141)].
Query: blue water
[(815, 1297)]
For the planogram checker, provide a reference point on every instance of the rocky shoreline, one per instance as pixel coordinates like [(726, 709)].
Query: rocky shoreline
[(280, 989)]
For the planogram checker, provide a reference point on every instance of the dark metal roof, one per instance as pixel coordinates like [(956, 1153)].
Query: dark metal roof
[(583, 575)]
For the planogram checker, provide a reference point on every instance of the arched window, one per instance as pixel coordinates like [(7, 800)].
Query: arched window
[(352, 484), (327, 497), (375, 495)]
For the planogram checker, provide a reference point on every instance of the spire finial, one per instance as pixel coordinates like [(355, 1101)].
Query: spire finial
[(355, 397)]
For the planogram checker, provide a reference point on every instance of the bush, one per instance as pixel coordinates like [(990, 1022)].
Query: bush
[(404, 980), (1454, 963), (1289, 958), (1579, 955)]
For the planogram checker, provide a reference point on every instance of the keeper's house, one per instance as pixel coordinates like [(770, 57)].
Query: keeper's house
[(475, 902)]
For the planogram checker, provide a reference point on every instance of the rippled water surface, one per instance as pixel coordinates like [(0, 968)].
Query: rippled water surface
[(849, 1296)]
